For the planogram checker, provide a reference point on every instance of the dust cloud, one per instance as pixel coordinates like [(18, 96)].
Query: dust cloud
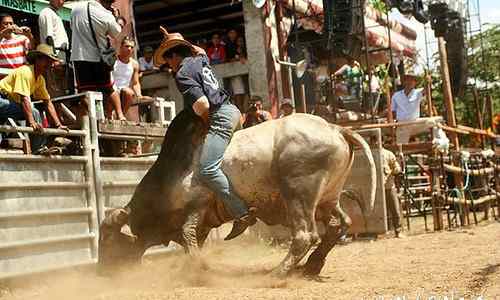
[(236, 265)]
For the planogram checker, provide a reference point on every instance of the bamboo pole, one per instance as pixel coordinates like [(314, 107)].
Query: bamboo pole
[(491, 117), (450, 108), (390, 117)]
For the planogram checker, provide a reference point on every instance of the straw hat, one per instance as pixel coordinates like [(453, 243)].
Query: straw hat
[(42, 50), (170, 40)]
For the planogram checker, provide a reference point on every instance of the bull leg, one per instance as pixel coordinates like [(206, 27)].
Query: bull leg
[(192, 237), (335, 227), (302, 196)]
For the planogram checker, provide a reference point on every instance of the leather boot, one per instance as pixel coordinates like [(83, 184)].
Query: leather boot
[(240, 225)]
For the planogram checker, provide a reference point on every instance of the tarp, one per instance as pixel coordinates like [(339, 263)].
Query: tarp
[(403, 38), (34, 7)]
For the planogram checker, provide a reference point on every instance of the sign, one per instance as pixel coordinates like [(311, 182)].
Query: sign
[(34, 7)]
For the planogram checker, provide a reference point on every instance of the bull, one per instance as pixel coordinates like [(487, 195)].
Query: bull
[(291, 170)]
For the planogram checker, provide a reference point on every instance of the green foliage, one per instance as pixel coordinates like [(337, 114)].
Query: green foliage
[(484, 72), (379, 5)]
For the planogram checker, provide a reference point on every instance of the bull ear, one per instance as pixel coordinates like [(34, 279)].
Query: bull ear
[(117, 217), (127, 232)]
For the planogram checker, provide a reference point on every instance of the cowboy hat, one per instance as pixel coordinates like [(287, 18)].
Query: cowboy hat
[(170, 40), (42, 50)]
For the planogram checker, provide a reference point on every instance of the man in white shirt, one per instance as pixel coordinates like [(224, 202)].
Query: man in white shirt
[(52, 31), (406, 106), (91, 73), (126, 74)]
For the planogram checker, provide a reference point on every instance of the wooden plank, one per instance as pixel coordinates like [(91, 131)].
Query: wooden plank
[(142, 129), (411, 148), (43, 185)]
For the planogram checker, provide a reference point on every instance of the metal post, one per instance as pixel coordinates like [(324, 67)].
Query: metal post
[(290, 78), (91, 97), (303, 96), (90, 190)]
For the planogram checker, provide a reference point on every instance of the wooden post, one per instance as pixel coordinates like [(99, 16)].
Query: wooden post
[(428, 94), (450, 110), (285, 83), (491, 117), (479, 115), (390, 117), (448, 96)]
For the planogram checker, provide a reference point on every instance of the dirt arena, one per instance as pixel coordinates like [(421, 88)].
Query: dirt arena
[(465, 262)]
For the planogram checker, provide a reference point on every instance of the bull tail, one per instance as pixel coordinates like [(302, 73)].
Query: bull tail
[(356, 139)]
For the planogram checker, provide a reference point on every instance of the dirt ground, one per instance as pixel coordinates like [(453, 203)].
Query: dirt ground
[(464, 262)]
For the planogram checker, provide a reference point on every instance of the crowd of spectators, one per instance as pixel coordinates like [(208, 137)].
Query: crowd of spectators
[(229, 48), (95, 30)]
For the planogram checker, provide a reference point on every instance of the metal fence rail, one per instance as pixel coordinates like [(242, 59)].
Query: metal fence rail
[(51, 207)]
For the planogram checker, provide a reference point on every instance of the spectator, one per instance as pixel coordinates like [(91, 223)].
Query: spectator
[(121, 21), (241, 50), (255, 115), (126, 74), (52, 30), (371, 104), (231, 46), (286, 108), (90, 71), (237, 82), (257, 102), (406, 106), (391, 169), (15, 42), (353, 75), (216, 52), (24, 84), (146, 62)]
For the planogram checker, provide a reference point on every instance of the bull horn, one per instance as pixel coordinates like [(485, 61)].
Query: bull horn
[(127, 232), (163, 30)]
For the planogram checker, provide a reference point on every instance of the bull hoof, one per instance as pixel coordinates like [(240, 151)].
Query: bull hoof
[(317, 278), (279, 273), (313, 267)]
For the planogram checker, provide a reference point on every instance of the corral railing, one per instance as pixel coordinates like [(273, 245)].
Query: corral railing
[(51, 207)]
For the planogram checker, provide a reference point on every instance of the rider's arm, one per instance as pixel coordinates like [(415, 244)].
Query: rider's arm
[(201, 107), (198, 50)]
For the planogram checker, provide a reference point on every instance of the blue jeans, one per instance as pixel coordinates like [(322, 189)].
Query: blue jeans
[(223, 122), (10, 109)]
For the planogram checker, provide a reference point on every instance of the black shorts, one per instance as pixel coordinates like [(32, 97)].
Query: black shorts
[(93, 76)]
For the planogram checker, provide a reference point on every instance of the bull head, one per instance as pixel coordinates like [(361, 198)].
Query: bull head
[(117, 243)]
